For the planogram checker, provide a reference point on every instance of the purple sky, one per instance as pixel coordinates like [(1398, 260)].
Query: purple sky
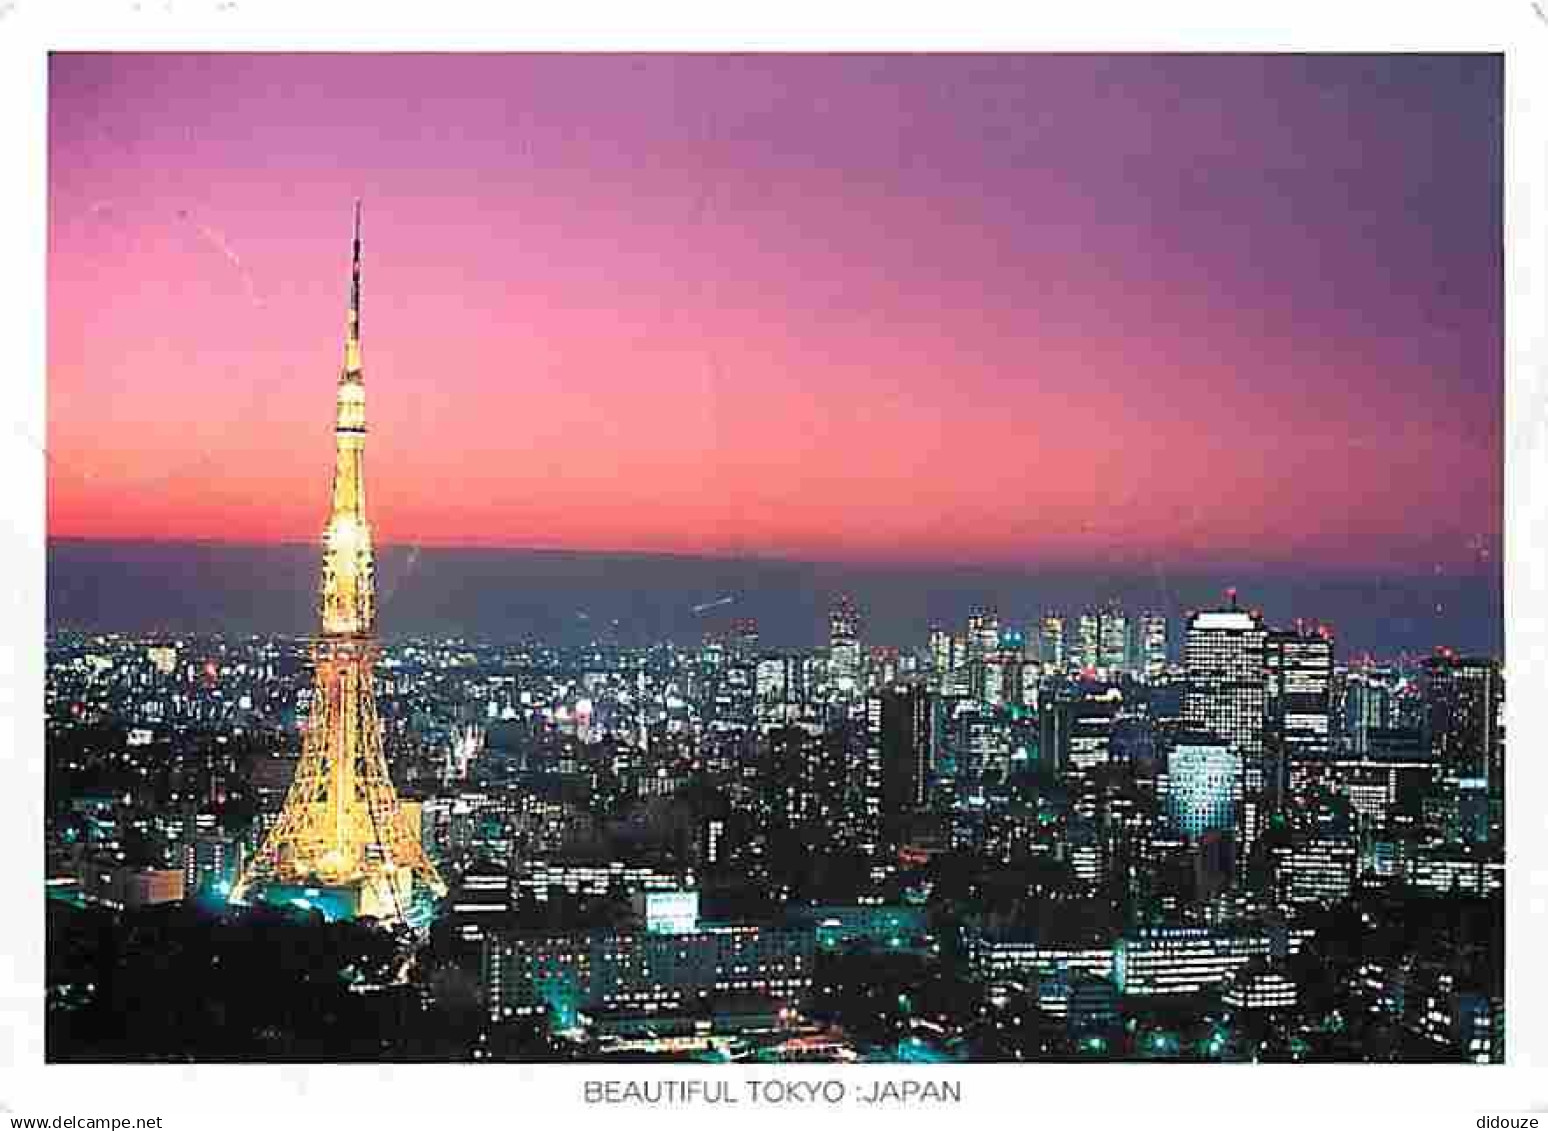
[(1000, 309)]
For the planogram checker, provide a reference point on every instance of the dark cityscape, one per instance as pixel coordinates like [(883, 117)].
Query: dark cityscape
[(1094, 835)]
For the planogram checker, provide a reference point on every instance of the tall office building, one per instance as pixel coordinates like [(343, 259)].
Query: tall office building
[(865, 744), (983, 632), (1463, 702), (771, 686), (1089, 642), (1368, 706), (844, 645), (1204, 786), (983, 641), (1298, 706), (1227, 684), (1090, 739), (805, 784), (906, 732), (940, 656), (1056, 717), (1115, 640), (959, 670), (981, 744), (1051, 649), (1153, 642), (1005, 681)]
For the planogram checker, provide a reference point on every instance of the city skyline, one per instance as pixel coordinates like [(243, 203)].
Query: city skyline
[(1032, 338), (569, 598)]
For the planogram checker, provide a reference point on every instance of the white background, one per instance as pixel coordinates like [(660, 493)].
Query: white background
[(514, 1096)]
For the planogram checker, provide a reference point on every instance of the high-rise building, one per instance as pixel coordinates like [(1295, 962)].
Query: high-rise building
[(844, 645), (1115, 640), (907, 752), (1090, 740), (981, 744), (940, 656), (983, 632), (1153, 641), (1368, 706), (342, 827), (863, 816), (1464, 701), (771, 680), (958, 680), (1204, 786), (1051, 650), (1226, 689), (805, 784), (1056, 715), (983, 641), (1004, 667), (1090, 641), (1298, 705)]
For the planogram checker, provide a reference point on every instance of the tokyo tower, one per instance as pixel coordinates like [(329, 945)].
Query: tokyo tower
[(342, 837)]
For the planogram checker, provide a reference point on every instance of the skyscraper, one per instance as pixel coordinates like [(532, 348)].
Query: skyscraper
[(805, 787), (940, 656), (342, 827), (1051, 650), (1153, 641), (1368, 706), (907, 752), (1005, 680), (1092, 719), (1090, 641), (1204, 786), (983, 640), (844, 645), (1463, 700), (1226, 689), (1298, 705), (1115, 640)]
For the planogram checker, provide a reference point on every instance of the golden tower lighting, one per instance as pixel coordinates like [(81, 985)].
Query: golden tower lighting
[(342, 827)]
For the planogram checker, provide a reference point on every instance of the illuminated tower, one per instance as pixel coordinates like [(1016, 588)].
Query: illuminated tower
[(343, 841)]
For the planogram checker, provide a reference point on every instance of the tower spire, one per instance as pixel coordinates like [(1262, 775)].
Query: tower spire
[(352, 337)]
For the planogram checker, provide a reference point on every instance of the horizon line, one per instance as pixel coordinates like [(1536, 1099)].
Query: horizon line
[(1491, 570)]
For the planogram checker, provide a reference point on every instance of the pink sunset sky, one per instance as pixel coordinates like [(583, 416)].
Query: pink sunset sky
[(985, 309)]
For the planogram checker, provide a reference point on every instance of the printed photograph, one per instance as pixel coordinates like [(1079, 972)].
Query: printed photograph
[(766, 558)]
